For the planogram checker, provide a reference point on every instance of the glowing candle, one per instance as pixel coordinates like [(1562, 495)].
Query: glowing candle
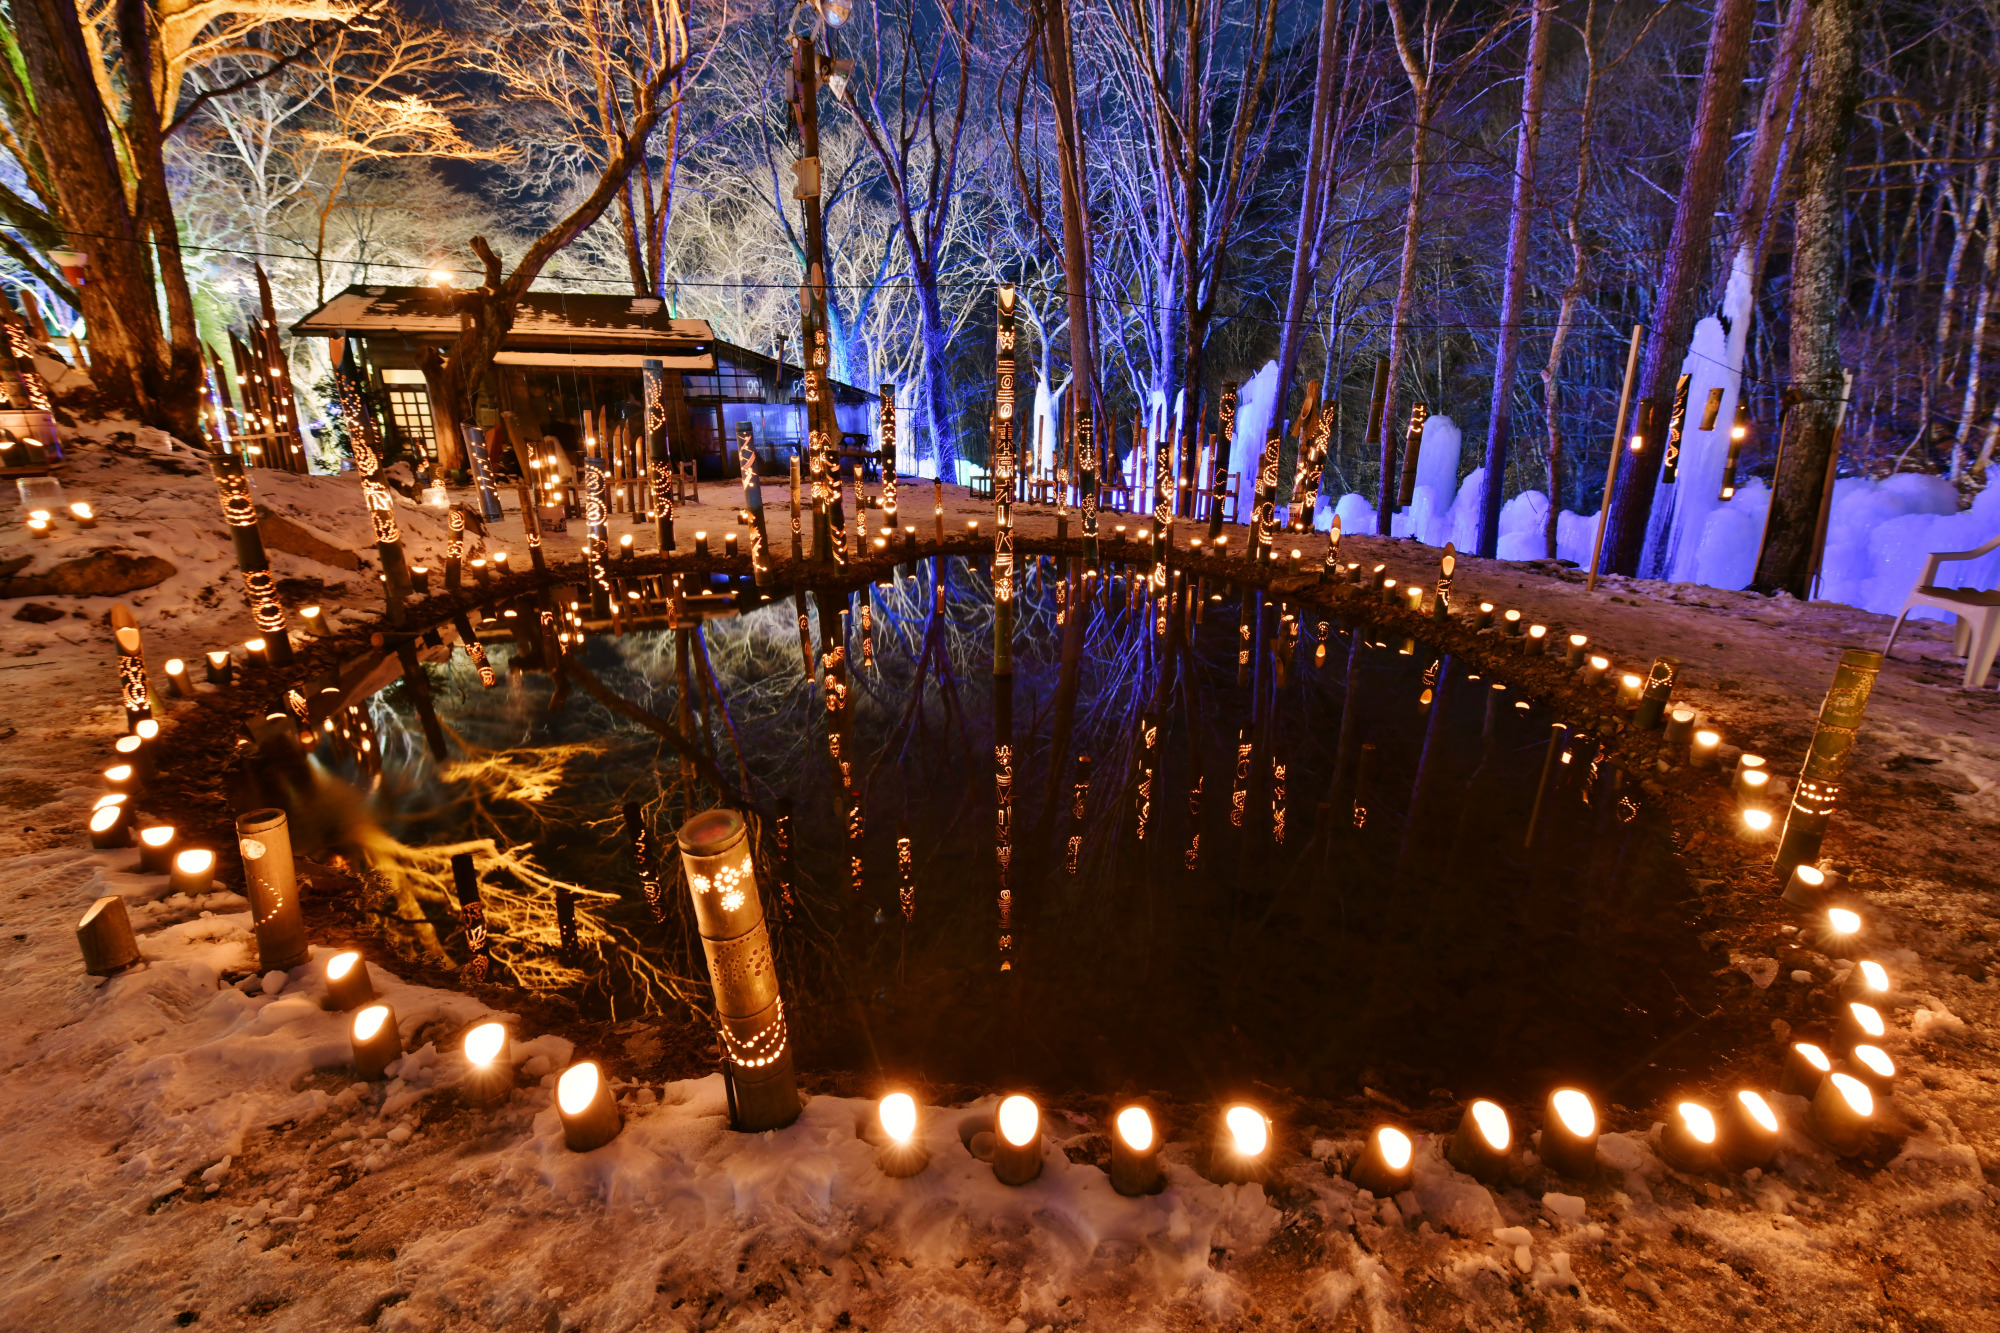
[(1594, 669), (1749, 1131), (121, 777), (1629, 688), (589, 1113), (1017, 1141), (1745, 766), (1415, 595), (83, 514), (193, 872), (1842, 1114), (258, 651), (1689, 1140), (1538, 640), (1806, 886), (901, 1154), (177, 678), (1483, 1142), (1680, 727), (269, 882), (40, 527), (133, 750), (729, 545), (1755, 825), (219, 667), (347, 981), (1135, 1153), (1569, 1133), (156, 849), (489, 1066), (1387, 589), (1384, 1167), (1806, 1066), (1752, 786), (1512, 620), (1701, 751), (1859, 1022), (1573, 655), (1238, 1150), (701, 543), (378, 1042), (1869, 980)]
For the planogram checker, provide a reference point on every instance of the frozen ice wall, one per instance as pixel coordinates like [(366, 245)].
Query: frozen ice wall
[(1256, 407), (1673, 543)]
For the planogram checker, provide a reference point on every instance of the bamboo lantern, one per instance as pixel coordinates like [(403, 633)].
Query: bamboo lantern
[(1818, 788), (1659, 689), (1573, 655), (1688, 1143), (1755, 825), (1751, 775), (1842, 1114), (1484, 1141), (489, 1066), (1749, 1131), (1843, 931), (177, 678), (1385, 1168), (1017, 1141), (136, 754), (1218, 479), (133, 688), (588, 1110), (110, 828), (260, 586), (272, 887), (1135, 1153), (1484, 620), (193, 872), (347, 983), (1701, 750), (1629, 690), (1594, 669), (1239, 1152), (1806, 1067), (1538, 640), (1872, 1065), (1806, 887), (901, 1155), (1859, 1022), (1569, 1134), (1680, 728), (377, 1041), (156, 849), (105, 937), (1511, 619), (220, 667), (1868, 980), (750, 1013)]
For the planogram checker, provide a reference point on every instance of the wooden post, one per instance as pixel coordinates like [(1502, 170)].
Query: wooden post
[(1611, 468)]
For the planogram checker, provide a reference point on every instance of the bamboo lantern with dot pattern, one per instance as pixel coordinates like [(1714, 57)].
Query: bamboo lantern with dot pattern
[(1658, 690), (272, 887), (1818, 787), (260, 586), (749, 1012)]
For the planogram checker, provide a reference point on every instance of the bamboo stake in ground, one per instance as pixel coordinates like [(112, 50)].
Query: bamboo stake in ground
[(887, 434), (1079, 798), (1305, 496), (381, 502), (753, 503), (1413, 447), (260, 588), (1611, 468), (1086, 468), (1218, 482), (1265, 510), (1818, 789), (642, 858)]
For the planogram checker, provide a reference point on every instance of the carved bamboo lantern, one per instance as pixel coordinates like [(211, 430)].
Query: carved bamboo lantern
[(1818, 788), (750, 1013)]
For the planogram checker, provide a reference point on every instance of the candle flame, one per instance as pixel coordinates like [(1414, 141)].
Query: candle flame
[(1843, 921), (369, 1021), (1876, 1059), (341, 964), (1867, 1018), (1394, 1145), (1759, 1109), (1814, 1055), (1018, 1120), (1492, 1123), (1136, 1128), (1698, 1120), (577, 1088), (1873, 975), (105, 818), (898, 1113), (157, 836), (1855, 1093), (1573, 1108), (483, 1043), (1248, 1129)]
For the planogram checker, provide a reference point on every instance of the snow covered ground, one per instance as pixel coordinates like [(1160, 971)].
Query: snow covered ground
[(185, 1146)]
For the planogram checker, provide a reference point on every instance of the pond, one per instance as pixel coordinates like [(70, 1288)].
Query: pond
[(1334, 880)]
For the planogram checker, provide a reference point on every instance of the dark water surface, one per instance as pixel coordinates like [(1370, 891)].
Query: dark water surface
[(1402, 930)]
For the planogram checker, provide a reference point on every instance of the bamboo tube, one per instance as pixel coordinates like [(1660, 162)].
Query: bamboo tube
[(1670, 461), (1818, 787), (134, 689), (472, 914), (1611, 468), (1413, 443), (750, 1013), (260, 586), (105, 937), (753, 502), (270, 883), (1079, 798), (1218, 483)]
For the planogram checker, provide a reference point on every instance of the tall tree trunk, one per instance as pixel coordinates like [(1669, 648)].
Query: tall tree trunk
[(132, 358), (1818, 293), (1399, 319), (1501, 419), (1315, 191), (936, 334), (1059, 69), (1681, 275), (1982, 309)]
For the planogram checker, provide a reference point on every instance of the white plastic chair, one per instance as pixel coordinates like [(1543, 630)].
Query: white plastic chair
[(1977, 638)]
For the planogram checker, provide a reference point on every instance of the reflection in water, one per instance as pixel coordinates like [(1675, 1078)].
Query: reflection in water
[(1334, 884)]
